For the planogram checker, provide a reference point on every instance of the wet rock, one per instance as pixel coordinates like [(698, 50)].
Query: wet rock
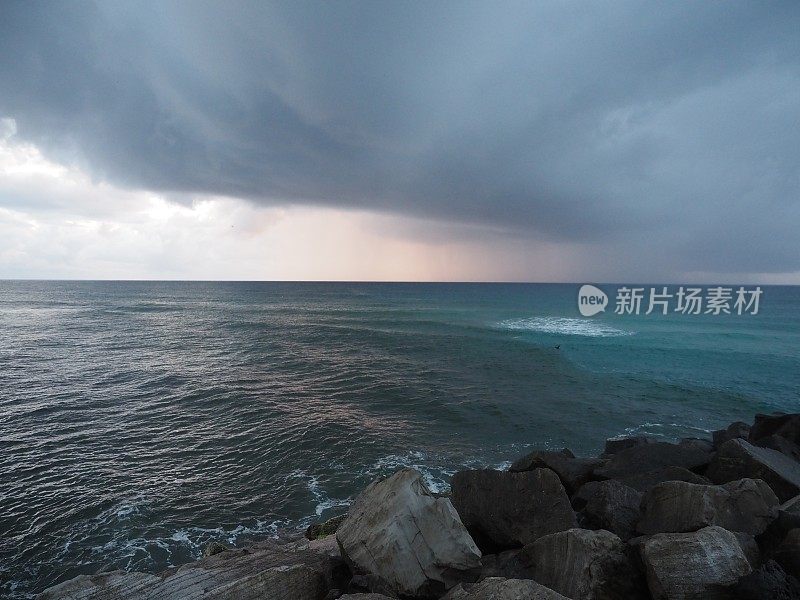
[(617, 444), (747, 505), (738, 459), (584, 564), (497, 588), (505, 510), (608, 505), (573, 472), (693, 566), (644, 481), (739, 429), (768, 582), (403, 540), (320, 530), (784, 425), (651, 457)]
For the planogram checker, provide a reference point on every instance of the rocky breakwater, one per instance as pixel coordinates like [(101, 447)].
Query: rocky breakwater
[(695, 519)]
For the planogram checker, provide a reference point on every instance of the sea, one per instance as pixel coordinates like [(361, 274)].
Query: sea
[(140, 421)]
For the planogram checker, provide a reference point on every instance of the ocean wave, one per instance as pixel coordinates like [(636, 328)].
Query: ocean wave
[(564, 326)]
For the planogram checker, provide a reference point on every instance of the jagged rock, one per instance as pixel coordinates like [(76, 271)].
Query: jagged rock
[(650, 457), (784, 425), (699, 443), (739, 429), (792, 505), (608, 505), (737, 459), (788, 552), (214, 548), (617, 444), (750, 547), (504, 564), (768, 582), (319, 530), (573, 472), (405, 541), (780, 444), (266, 570), (747, 505), (504, 510), (497, 588), (693, 566), (584, 564), (644, 481)]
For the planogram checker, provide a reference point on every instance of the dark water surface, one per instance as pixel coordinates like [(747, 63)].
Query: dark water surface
[(139, 421)]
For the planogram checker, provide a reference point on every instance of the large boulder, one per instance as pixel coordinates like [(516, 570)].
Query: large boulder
[(617, 444), (747, 505), (505, 510), (608, 505), (369, 596), (768, 582), (504, 564), (739, 429), (573, 472), (403, 540), (737, 459), (693, 566), (498, 588), (584, 564), (780, 444), (788, 552), (644, 481), (784, 425), (650, 457), (264, 571)]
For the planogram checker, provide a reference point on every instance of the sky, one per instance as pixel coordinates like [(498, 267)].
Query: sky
[(455, 141)]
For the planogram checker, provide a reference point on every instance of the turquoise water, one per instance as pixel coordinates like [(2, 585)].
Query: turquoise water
[(139, 421)]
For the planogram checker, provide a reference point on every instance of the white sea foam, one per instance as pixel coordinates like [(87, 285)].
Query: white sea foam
[(564, 326)]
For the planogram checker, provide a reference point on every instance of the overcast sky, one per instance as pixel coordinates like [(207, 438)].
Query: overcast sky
[(544, 141)]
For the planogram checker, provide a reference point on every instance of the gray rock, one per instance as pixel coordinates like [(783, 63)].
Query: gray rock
[(792, 505), (608, 505), (780, 444), (737, 459), (644, 481), (699, 443), (584, 564), (784, 425), (750, 548), (788, 552), (504, 510), (364, 597), (768, 582), (497, 588), (747, 505), (504, 564), (650, 457), (617, 444), (693, 566), (573, 472), (264, 571), (320, 530), (214, 548), (739, 429), (404, 541)]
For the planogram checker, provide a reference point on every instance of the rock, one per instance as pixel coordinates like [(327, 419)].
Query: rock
[(214, 548), (364, 597), (739, 429), (693, 566), (699, 443), (784, 425), (584, 564), (788, 552), (617, 444), (737, 459), (497, 588), (573, 472), (792, 505), (650, 457), (504, 564), (266, 570), (320, 530), (781, 444), (750, 548), (608, 505), (747, 505), (405, 541), (768, 582), (644, 481), (505, 510)]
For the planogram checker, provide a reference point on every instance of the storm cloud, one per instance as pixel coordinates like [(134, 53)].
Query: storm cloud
[(666, 135)]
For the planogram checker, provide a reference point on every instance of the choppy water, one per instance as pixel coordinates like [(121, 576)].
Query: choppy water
[(139, 421)]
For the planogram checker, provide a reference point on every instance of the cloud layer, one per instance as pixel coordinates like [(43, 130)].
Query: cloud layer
[(661, 137)]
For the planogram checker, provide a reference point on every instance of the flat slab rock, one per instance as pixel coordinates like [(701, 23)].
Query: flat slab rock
[(403, 540), (263, 572), (504, 510), (651, 457), (737, 459), (573, 472), (693, 566), (746, 505), (497, 588)]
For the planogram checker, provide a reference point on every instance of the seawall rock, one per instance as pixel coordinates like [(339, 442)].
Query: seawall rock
[(738, 459)]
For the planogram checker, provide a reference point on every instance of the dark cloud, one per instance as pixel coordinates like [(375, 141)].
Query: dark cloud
[(668, 129)]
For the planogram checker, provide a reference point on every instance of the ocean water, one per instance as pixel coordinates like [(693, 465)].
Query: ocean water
[(141, 420)]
